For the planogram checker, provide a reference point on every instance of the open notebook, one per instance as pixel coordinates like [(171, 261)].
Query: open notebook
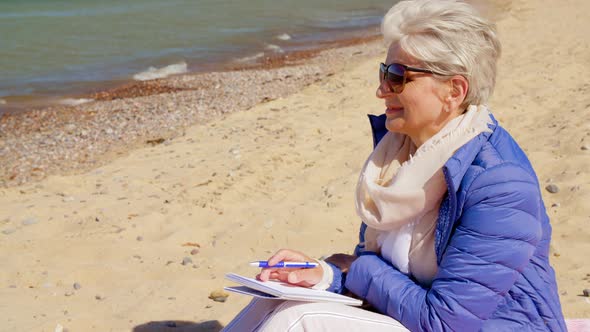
[(282, 291)]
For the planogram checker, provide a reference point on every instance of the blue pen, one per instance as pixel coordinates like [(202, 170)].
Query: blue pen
[(295, 265)]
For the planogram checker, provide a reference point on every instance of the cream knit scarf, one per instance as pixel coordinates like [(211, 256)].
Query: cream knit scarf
[(400, 190)]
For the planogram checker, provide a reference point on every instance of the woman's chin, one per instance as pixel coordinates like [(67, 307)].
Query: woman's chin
[(394, 124)]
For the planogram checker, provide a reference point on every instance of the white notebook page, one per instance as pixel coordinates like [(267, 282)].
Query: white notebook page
[(291, 292)]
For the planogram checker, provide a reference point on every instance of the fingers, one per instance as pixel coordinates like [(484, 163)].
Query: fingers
[(305, 277), (287, 255), (274, 274), (281, 255), (301, 277), (264, 275), (282, 275)]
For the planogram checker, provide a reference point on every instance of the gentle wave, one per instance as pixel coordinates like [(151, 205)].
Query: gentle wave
[(75, 102), (153, 73), (251, 58), (283, 36), (274, 48)]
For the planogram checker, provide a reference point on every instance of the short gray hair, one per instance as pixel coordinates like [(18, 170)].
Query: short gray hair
[(448, 37)]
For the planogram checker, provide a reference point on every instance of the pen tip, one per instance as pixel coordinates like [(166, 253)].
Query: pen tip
[(254, 264)]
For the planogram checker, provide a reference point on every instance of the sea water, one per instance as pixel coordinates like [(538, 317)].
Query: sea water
[(54, 47)]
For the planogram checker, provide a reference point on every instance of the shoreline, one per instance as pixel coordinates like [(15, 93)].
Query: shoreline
[(265, 59), (61, 140)]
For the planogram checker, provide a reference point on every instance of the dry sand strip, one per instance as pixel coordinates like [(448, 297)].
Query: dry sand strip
[(141, 242)]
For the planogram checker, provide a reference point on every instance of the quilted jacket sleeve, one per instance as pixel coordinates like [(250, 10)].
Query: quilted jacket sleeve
[(496, 236)]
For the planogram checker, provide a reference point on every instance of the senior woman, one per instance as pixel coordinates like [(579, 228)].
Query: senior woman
[(455, 236)]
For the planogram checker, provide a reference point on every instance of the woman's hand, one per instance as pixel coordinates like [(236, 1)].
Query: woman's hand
[(299, 277)]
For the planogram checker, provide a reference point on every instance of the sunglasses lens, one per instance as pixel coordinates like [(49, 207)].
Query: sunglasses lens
[(393, 75)]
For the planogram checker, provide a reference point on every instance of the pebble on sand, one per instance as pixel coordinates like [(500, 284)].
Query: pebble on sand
[(586, 292), (554, 250), (77, 286), (552, 188), (8, 231), (186, 261), (29, 221), (218, 295)]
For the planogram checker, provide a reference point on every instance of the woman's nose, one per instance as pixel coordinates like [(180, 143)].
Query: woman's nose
[(383, 90)]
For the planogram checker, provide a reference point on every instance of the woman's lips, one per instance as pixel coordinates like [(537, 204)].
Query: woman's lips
[(393, 110)]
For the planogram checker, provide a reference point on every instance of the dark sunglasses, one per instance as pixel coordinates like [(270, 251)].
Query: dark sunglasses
[(396, 74)]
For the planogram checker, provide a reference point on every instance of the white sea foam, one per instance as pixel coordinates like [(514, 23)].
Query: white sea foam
[(251, 58), (283, 36), (75, 102), (274, 48), (152, 72)]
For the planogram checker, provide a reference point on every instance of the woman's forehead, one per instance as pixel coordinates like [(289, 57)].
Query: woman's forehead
[(395, 54)]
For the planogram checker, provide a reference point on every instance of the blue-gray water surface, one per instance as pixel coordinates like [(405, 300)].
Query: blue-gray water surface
[(50, 47)]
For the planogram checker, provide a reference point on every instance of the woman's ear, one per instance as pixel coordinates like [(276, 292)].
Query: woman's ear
[(458, 91)]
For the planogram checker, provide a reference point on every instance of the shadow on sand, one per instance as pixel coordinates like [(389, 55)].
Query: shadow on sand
[(179, 326)]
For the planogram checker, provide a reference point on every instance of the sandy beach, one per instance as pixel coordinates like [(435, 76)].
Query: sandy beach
[(134, 232)]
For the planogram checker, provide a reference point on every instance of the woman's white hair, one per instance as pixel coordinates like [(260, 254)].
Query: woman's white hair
[(448, 37)]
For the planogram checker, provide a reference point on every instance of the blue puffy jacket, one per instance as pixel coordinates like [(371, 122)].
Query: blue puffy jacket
[(492, 245)]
